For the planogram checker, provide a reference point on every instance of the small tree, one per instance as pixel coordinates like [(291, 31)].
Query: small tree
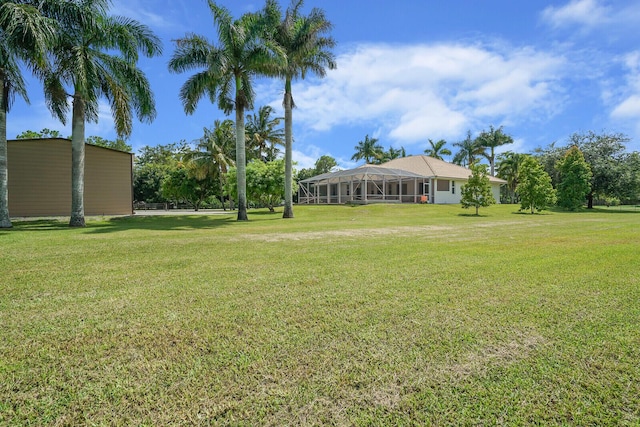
[(575, 179), (534, 187), (477, 192)]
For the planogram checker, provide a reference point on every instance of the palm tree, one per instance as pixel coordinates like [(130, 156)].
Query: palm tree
[(263, 134), (24, 35), (393, 153), (469, 149), (306, 49), (508, 167), (490, 140), (368, 150), (437, 149), (96, 55), (227, 73), (214, 153)]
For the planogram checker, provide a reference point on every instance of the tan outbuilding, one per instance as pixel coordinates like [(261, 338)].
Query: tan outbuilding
[(40, 179)]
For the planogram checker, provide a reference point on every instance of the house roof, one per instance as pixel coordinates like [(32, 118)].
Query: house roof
[(368, 172), (426, 166)]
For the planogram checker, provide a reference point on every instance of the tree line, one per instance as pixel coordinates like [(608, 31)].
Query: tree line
[(81, 54)]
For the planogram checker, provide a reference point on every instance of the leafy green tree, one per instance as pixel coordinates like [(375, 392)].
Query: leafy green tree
[(468, 153), (265, 183), (226, 73), (152, 166), (24, 37), (437, 149), (508, 167), (605, 155), (368, 150), (182, 184), (263, 134), (96, 55), (44, 133), (490, 140), (534, 188), (118, 144), (302, 41), (325, 164), (630, 179), (575, 179), (477, 191)]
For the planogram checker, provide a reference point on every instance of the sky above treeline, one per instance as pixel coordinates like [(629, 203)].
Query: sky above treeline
[(413, 70)]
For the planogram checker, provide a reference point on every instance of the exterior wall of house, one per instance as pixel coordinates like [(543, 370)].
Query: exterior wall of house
[(495, 190), (40, 179), (446, 196)]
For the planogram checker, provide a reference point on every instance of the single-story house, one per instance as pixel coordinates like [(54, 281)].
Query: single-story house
[(39, 178), (412, 179)]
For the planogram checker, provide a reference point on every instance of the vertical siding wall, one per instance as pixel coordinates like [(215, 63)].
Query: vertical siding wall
[(40, 179)]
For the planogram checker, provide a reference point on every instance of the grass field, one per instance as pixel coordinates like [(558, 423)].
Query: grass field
[(370, 315)]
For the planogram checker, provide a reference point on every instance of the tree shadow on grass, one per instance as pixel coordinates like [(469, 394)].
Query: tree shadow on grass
[(119, 224), (472, 215)]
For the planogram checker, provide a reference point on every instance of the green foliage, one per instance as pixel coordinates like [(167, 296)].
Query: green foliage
[(469, 151), (264, 135), (181, 184), (44, 133), (152, 166), (119, 144), (437, 149), (534, 187), (575, 179), (265, 183), (368, 150), (325, 164), (490, 140), (477, 191), (508, 167)]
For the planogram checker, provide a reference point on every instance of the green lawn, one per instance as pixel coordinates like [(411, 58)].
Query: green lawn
[(370, 315)]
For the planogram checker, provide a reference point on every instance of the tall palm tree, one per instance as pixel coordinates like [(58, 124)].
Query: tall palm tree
[(96, 56), (306, 49), (263, 134), (214, 153), (437, 149), (24, 36), (490, 141), (368, 150), (469, 150), (227, 73)]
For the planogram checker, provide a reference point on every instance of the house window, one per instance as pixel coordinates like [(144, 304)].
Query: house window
[(443, 185), (453, 187)]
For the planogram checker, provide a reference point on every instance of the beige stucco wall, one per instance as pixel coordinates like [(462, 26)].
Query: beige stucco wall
[(40, 179)]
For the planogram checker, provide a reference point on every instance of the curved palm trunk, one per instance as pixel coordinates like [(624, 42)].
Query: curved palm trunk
[(77, 164), (5, 219), (241, 164), (288, 160)]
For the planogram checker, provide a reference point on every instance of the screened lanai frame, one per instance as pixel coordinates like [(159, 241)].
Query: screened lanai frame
[(366, 184)]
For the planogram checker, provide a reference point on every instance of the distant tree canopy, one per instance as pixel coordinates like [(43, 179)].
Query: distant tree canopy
[(44, 133), (117, 144), (324, 164), (614, 171)]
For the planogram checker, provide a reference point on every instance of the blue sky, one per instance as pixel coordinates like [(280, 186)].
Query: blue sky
[(410, 70)]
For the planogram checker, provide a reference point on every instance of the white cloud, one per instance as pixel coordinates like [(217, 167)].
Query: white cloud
[(415, 92), (143, 11), (588, 13)]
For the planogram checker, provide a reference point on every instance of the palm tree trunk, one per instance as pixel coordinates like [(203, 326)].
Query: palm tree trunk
[(77, 163), (241, 162), (5, 219), (288, 161)]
